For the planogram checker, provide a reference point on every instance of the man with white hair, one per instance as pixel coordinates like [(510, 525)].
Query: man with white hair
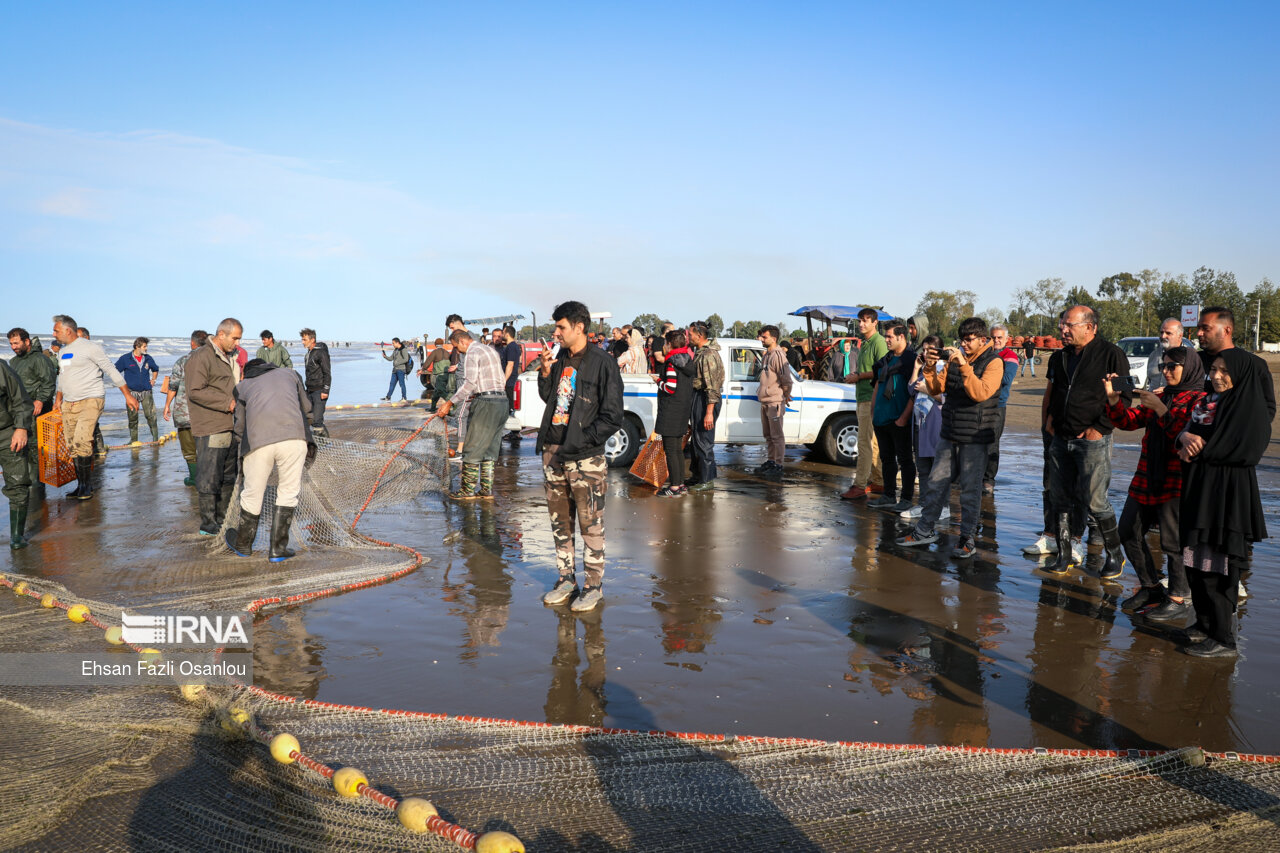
[(1170, 338)]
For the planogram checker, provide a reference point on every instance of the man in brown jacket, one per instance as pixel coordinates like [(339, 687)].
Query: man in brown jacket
[(708, 380), (774, 394), (212, 374)]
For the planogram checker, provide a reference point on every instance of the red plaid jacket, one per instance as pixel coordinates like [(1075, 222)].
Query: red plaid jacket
[(1173, 422)]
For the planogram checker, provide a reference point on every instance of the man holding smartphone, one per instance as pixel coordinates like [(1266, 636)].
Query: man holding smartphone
[(1074, 412)]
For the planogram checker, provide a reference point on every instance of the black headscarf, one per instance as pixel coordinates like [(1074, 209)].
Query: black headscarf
[(1221, 507), (1242, 422), (1159, 444)]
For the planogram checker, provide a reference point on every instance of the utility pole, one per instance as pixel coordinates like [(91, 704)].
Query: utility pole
[(1258, 322)]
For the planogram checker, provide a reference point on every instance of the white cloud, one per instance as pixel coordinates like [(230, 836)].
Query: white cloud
[(72, 202)]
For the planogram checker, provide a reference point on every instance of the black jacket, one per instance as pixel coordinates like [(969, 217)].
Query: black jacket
[(596, 411), (318, 374), (674, 409), (964, 419), (1080, 402)]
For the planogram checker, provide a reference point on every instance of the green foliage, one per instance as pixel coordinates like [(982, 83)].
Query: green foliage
[(945, 309), (650, 324), (715, 325), (528, 333), (1269, 324)]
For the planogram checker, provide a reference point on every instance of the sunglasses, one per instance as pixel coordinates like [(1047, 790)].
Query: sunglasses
[(1169, 365)]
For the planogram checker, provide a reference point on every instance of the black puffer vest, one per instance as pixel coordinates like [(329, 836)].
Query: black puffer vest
[(965, 421)]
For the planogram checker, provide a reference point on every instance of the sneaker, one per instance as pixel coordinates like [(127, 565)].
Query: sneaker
[(1209, 648), (880, 502), (1046, 544), (913, 512), (901, 508), (945, 514), (565, 589), (386, 399), (1146, 596), (763, 469), (589, 599), (915, 539), (965, 548), (1078, 552), (1168, 611), (708, 486), (855, 493), (668, 492)]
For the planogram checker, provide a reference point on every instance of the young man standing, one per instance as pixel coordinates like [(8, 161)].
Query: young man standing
[(774, 395), (891, 416), (971, 381), (140, 371), (512, 355), (272, 352), (583, 391), (318, 377), (1000, 343), (211, 376), (868, 478), (708, 380)]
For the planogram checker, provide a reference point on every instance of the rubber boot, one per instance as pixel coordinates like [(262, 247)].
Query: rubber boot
[(190, 479), (224, 501), (17, 526), (84, 475), (241, 539), (155, 429), (1062, 561), (208, 514), (486, 480), (467, 482), (133, 435), (280, 534), (1113, 562)]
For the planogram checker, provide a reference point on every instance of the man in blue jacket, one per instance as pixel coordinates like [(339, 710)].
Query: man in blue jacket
[(140, 371)]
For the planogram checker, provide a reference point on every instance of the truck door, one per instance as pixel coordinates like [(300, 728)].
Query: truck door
[(740, 417)]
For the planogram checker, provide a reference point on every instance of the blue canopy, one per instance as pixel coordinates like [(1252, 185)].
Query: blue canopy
[(843, 314)]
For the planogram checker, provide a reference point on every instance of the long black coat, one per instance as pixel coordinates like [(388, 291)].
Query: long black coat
[(673, 409)]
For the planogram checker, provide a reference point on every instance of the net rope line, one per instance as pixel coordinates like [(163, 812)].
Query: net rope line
[(248, 725)]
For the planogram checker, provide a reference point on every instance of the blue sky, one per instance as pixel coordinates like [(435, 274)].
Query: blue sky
[(368, 169)]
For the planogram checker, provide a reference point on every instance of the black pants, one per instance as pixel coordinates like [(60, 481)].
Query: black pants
[(1135, 520), (895, 457), (1077, 511), (703, 441), (673, 446), (317, 408), (216, 467), (993, 455), (1214, 597)]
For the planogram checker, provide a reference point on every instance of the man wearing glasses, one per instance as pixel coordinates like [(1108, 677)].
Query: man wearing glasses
[(1074, 410), (971, 381)]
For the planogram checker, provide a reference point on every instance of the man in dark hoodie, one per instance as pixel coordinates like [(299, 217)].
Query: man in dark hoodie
[(583, 391), (1074, 410), (318, 376), (272, 425)]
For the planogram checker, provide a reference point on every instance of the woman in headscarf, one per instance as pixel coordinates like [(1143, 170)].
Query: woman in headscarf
[(634, 359), (1156, 491), (1221, 510), (843, 360)]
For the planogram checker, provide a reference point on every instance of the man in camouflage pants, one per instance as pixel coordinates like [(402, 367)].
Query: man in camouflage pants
[(583, 391)]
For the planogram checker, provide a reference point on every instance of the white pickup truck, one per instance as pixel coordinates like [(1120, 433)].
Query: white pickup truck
[(823, 416)]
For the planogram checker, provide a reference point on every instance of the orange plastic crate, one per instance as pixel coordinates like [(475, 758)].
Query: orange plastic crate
[(56, 468)]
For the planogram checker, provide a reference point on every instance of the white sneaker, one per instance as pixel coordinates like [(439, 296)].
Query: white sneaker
[(1078, 552), (565, 589), (1046, 544), (589, 599), (914, 512), (945, 514)]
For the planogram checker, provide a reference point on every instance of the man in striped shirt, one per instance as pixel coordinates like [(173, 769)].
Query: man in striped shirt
[(483, 386)]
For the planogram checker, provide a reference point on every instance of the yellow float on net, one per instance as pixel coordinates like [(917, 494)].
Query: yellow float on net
[(191, 692), (78, 613), (114, 635), (20, 588), (150, 655), (414, 812), (47, 600), (348, 780), (499, 842), (283, 746)]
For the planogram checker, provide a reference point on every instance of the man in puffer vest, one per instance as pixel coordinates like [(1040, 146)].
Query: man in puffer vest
[(971, 380)]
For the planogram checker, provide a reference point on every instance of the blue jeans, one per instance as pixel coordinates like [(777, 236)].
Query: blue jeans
[(397, 376), (1079, 474), (971, 460)]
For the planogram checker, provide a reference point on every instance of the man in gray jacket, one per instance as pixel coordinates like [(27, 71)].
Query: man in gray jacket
[(273, 428)]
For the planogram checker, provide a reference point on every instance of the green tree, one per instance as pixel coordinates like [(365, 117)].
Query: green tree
[(649, 324), (1218, 288), (1268, 325), (715, 325), (1172, 294), (945, 309)]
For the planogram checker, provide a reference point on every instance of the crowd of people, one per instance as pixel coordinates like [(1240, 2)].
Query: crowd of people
[(931, 418)]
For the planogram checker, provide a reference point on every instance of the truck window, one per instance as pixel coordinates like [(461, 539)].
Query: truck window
[(744, 365)]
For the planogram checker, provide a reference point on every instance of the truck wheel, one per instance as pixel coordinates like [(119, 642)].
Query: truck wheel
[(839, 439), (624, 445)]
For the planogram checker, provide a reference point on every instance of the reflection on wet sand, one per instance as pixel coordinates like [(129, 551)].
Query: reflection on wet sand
[(572, 696)]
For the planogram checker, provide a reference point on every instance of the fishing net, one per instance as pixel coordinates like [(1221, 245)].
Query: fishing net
[(158, 768)]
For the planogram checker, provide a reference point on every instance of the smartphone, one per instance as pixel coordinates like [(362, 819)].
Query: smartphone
[(1124, 383)]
